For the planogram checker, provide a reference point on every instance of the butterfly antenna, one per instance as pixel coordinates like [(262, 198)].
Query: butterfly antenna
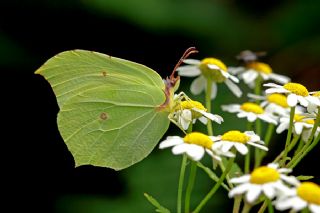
[(185, 55)]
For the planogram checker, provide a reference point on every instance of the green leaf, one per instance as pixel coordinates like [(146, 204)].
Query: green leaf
[(235, 169), (109, 107), (211, 174), (304, 177), (156, 204)]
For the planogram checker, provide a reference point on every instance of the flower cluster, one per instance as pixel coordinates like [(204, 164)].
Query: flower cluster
[(287, 107)]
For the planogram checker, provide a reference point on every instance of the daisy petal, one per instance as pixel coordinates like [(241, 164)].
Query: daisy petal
[(203, 120), (180, 149), (243, 149), (251, 117), (284, 204), (214, 90), (195, 152), (269, 191), (298, 127), (234, 88), (189, 71), (292, 100), (272, 85), (253, 193), (192, 61), (213, 67), (238, 190), (290, 179), (170, 141), (235, 70), (314, 208), (276, 90), (299, 204), (258, 146), (302, 101), (226, 146), (198, 85), (242, 179), (282, 126), (249, 76), (279, 78)]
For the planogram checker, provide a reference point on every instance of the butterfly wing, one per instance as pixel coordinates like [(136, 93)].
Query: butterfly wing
[(109, 119)]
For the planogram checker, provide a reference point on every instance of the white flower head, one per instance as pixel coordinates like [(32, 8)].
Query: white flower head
[(189, 111), (208, 68), (254, 69), (251, 111), (195, 145), (238, 140), (314, 102), (297, 93), (302, 125), (267, 180), (304, 195), (273, 103)]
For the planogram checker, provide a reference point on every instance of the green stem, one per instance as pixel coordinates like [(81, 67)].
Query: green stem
[(315, 126), (269, 134), (247, 157), (307, 147), (263, 207), (247, 162), (192, 177), (288, 137), (295, 161), (267, 139), (257, 152), (216, 186), (208, 105), (300, 146), (227, 177), (270, 206), (291, 146), (236, 204), (246, 208), (181, 180), (257, 88)]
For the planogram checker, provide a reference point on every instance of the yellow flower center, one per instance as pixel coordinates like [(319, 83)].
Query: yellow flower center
[(264, 174), (310, 192), (260, 67), (213, 74), (278, 99), (317, 94), (297, 89), (198, 139), (189, 105), (300, 118), (235, 136), (252, 107)]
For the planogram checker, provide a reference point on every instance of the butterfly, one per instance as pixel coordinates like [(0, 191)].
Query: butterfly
[(113, 112)]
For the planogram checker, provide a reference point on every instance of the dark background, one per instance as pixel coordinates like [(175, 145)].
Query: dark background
[(38, 170)]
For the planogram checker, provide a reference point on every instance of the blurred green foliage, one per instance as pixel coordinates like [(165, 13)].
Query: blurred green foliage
[(288, 30)]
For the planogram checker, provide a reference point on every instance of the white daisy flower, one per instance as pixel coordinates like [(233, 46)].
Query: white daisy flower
[(273, 103), (268, 180), (297, 93), (238, 140), (189, 111), (253, 70), (302, 125), (208, 68), (251, 111), (314, 103), (194, 145), (305, 195)]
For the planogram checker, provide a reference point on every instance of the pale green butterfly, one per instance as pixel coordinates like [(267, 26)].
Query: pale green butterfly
[(113, 111)]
